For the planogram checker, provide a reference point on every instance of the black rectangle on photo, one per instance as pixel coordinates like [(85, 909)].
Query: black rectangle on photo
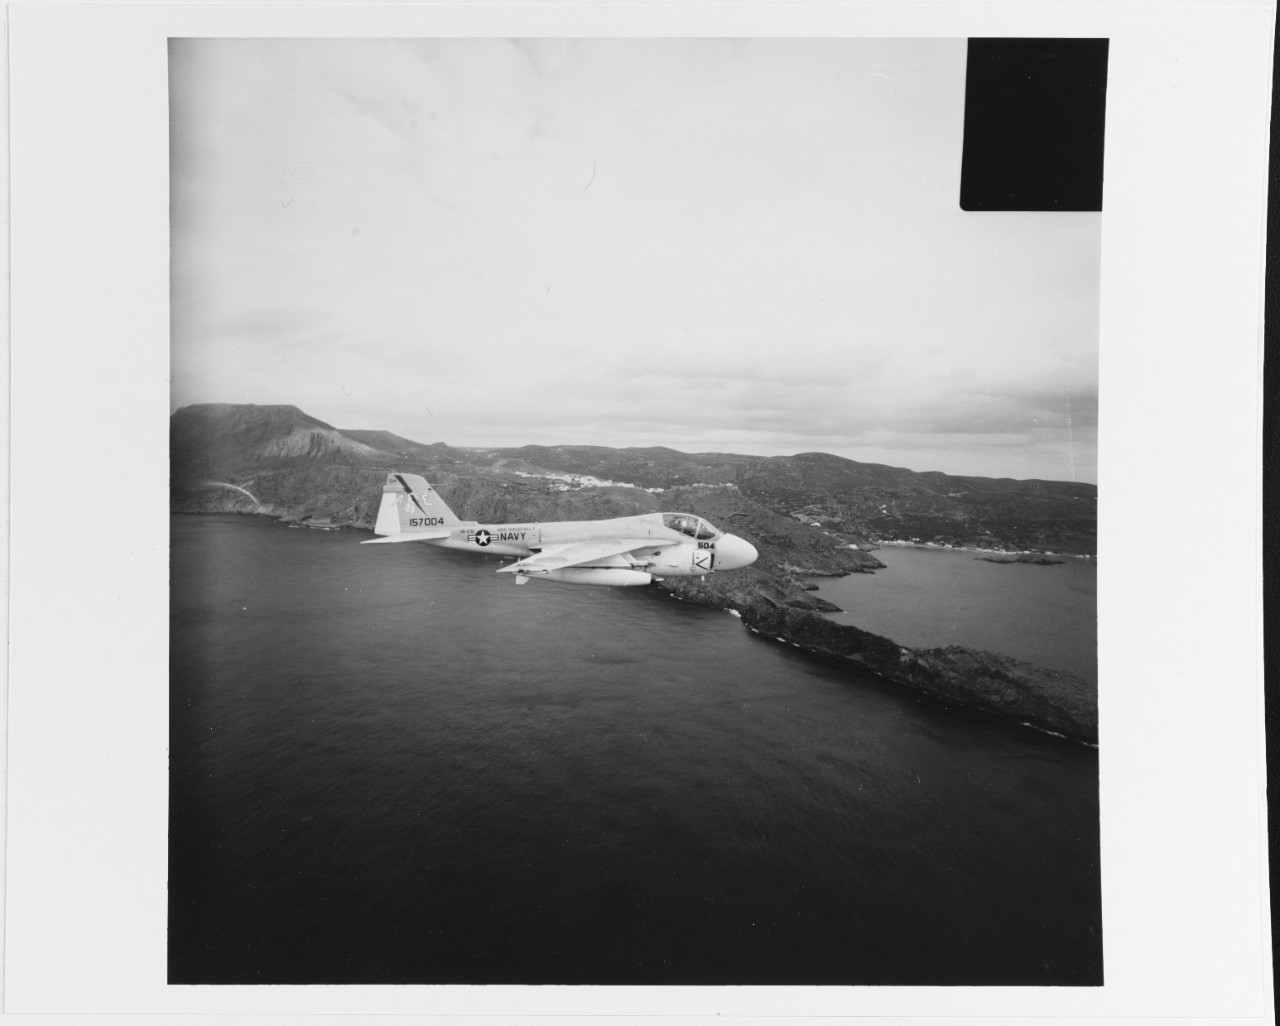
[(1034, 119)]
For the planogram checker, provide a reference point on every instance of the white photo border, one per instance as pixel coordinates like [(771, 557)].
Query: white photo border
[(1184, 870)]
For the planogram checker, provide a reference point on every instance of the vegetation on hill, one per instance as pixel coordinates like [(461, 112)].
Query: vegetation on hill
[(893, 504), (299, 465), (808, 515)]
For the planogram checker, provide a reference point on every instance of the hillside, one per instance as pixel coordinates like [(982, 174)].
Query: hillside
[(298, 465), (865, 501), (808, 515), (280, 461), (893, 504)]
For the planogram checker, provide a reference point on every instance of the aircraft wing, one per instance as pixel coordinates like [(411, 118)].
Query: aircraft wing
[(408, 536), (555, 557)]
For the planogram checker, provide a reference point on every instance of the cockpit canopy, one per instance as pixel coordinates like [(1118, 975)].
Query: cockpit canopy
[(687, 523)]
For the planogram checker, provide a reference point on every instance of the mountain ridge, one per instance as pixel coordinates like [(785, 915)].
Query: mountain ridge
[(812, 514), (869, 501)]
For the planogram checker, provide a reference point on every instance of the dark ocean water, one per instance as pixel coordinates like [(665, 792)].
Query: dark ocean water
[(927, 597), (389, 765)]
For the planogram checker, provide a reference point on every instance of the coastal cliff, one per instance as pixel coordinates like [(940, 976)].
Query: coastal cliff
[(809, 515), (1052, 700)]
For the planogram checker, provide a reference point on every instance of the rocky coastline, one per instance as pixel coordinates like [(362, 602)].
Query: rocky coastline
[(777, 604), (1036, 558), (812, 515), (1053, 701), (1050, 700)]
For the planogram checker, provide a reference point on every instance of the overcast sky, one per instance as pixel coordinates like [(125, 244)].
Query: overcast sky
[(748, 246)]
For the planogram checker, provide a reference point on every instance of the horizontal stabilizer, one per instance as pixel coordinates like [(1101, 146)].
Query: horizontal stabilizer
[(412, 536)]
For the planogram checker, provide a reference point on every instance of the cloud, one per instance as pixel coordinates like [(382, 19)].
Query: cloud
[(696, 243)]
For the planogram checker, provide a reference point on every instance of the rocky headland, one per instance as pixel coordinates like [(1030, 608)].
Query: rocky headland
[(1051, 700), (809, 515), (1036, 558)]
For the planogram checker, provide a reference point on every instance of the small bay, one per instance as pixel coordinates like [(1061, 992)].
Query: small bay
[(929, 597)]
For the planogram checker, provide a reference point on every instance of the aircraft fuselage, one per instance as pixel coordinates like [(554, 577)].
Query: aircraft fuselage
[(621, 551), (690, 556)]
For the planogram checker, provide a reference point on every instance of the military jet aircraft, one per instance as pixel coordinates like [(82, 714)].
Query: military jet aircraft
[(619, 552)]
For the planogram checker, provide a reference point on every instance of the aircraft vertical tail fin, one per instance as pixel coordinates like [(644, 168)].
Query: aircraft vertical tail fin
[(411, 506)]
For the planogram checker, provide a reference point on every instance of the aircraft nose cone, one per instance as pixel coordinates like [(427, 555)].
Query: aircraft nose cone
[(733, 553)]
